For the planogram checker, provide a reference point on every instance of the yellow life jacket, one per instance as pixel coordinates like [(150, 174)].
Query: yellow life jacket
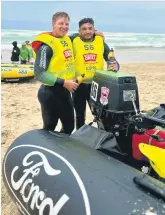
[(88, 57), (62, 61)]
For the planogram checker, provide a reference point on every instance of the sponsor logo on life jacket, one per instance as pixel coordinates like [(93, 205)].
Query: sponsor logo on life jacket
[(67, 53), (90, 57), (36, 180)]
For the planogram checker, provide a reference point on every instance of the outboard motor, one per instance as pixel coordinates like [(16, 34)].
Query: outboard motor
[(114, 100)]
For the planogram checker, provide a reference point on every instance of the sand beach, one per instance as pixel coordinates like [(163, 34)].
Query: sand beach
[(134, 29), (21, 109)]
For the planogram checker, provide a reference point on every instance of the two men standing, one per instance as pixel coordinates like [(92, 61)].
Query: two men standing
[(59, 60)]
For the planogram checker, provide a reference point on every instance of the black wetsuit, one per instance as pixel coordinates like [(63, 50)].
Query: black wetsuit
[(55, 100), (82, 94), (15, 52)]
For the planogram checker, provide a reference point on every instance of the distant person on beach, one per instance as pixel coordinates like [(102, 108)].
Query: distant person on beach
[(90, 52), (24, 54), (31, 52), (54, 68), (15, 53)]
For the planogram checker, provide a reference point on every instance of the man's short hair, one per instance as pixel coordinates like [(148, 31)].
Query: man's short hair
[(60, 14), (27, 42), (86, 20)]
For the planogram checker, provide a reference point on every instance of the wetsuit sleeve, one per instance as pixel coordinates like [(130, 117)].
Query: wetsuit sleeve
[(43, 58), (73, 36), (106, 52)]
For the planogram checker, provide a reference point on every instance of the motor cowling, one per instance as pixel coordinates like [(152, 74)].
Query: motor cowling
[(111, 97)]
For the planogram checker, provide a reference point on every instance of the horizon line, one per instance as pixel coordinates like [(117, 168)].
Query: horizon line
[(112, 32)]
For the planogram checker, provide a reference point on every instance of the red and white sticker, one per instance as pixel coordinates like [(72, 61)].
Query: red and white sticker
[(90, 57), (67, 53), (104, 95)]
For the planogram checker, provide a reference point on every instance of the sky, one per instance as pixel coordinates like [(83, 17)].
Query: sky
[(109, 16)]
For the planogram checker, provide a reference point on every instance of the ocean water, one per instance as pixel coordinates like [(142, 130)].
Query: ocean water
[(129, 47), (115, 40)]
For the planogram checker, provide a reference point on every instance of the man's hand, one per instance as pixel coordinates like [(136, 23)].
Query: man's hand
[(70, 85), (97, 33), (112, 66)]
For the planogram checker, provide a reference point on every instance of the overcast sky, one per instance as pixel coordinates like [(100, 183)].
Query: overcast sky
[(148, 17)]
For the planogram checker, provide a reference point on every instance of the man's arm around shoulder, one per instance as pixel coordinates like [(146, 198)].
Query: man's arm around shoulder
[(106, 53), (73, 36)]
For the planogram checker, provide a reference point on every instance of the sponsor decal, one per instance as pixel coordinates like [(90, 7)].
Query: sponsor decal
[(11, 79), (22, 71), (104, 95), (91, 68), (6, 69), (94, 90), (38, 181), (67, 53), (129, 95), (90, 57)]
